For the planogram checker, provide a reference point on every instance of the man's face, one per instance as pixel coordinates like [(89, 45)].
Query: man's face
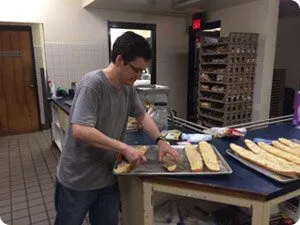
[(133, 71)]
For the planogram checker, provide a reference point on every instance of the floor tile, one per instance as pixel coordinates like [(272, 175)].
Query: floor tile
[(39, 217), (22, 221), (20, 213)]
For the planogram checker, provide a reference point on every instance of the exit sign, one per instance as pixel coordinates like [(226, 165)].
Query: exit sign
[(196, 24)]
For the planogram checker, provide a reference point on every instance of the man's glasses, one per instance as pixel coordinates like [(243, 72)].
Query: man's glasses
[(137, 70)]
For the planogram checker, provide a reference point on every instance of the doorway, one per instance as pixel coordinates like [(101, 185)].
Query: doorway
[(286, 78), (148, 31), (18, 87)]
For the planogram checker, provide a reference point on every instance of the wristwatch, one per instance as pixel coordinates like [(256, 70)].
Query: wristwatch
[(159, 138)]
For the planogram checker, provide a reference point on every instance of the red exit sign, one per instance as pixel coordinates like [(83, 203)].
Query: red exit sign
[(196, 24)]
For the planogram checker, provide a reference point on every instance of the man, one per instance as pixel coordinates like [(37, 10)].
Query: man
[(103, 101)]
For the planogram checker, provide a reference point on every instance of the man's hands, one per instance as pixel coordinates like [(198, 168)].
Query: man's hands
[(164, 148), (134, 156)]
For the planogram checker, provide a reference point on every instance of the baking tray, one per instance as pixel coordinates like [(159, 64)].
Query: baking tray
[(274, 176), (154, 167), (296, 141)]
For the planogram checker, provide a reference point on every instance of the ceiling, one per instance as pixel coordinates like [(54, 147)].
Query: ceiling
[(163, 7)]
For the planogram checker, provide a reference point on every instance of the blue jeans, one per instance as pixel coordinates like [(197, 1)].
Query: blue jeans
[(72, 206)]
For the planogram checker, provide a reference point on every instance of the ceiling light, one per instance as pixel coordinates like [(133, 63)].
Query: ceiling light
[(298, 2)]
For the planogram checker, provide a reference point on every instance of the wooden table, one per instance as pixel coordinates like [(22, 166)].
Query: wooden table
[(244, 187)]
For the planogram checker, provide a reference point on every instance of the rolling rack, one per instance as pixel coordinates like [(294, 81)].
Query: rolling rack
[(226, 79)]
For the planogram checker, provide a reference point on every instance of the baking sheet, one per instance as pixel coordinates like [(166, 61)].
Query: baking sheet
[(296, 141), (274, 176), (154, 167)]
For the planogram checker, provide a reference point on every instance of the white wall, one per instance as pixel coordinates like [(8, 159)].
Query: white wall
[(261, 17), (69, 28), (287, 50)]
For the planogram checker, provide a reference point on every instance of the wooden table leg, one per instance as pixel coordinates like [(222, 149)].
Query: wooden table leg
[(148, 204), (260, 213)]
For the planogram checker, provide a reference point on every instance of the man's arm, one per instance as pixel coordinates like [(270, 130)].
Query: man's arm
[(95, 138), (152, 130), (149, 126)]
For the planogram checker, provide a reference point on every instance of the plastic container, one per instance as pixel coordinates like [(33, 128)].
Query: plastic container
[(296, 119), (160, 115)]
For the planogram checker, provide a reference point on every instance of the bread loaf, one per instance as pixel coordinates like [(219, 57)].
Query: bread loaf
[(289, 143), (194, 158), (275, 151), (285, 148), (268, 156), (209, 156), (141, 148), (256, 159), (252, 146), (123, 167)]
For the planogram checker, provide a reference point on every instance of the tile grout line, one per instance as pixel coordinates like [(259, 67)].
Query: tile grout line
[(49, 171), (39, 182), (53, 182), (51, 144), (24, 181)]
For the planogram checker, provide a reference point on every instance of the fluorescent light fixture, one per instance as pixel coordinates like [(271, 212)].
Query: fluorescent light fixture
[(298, 2)]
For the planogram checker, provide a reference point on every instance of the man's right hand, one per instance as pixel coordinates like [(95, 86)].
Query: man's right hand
[(134, 156)]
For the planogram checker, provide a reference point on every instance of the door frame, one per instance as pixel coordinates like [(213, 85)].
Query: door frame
[(34, 75), (139, 26)]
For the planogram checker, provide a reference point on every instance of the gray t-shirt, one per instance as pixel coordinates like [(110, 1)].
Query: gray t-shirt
[(100, 105)]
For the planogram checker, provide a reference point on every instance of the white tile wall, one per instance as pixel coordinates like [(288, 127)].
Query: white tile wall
[(68, 62)]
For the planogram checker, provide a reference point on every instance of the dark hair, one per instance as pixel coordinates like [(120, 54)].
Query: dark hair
[(131, 45)]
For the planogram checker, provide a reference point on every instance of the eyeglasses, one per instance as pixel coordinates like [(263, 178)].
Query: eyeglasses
[(137, 70)]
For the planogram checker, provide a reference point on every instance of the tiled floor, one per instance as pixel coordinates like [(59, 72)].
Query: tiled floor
[(27, 176)]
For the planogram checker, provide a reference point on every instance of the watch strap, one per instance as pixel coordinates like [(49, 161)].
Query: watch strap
[(159, 138)]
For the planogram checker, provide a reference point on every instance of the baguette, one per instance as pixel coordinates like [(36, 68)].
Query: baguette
[(194, 158), (169, 163), (171, 168), (289, 143), (268, 156), (141, 148), (209, 156), (285, 155), (253, 147), (285, 148), (123, 167), (256, 159)]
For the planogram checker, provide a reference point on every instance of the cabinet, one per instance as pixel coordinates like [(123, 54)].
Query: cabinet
[(59, 125), (226, 79)]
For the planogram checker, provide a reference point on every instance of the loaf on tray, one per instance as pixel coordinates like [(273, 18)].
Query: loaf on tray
[(126, 167), (268, 156), (209, 156), (260, 161), (285, 148), (194, 158), (289, 143), (282, 154)]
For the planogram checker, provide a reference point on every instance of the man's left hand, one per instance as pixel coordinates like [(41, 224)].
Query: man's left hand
[(164, 148)]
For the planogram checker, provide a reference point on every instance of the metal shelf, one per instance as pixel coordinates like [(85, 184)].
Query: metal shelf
[(213, 64), (216, 92), (212, 100), (214, 44), (212, 118), (213, 82), (213, 109), (216, 54)]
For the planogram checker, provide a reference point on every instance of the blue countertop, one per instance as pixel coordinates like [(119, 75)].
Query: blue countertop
[(61, 103), (243, 179)]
